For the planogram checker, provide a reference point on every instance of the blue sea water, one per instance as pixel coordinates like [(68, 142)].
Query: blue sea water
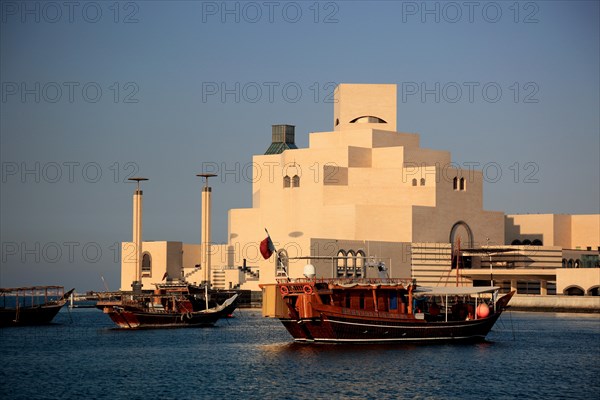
[(81, 356)]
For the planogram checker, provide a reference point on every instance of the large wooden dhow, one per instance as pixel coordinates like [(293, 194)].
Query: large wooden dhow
[(33, 305), (382, 310)]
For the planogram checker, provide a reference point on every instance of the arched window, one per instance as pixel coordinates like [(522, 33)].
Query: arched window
[(283, 264), (422, 181), (526, 242), (516, 242), (461, 227), (341, 263), (414, 182), (146, 265), (296, 181), (463, 184), (286, 181), (360, 262), (564, 263), (350, 264), (368, 119), (574, 291), (537, 242), (455, 183)]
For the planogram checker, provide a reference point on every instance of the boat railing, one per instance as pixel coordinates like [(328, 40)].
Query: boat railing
[(33, 296), (155, 302), (134, 297), (348, 281)]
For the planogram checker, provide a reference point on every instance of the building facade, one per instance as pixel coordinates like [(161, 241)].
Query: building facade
[(362, 189)]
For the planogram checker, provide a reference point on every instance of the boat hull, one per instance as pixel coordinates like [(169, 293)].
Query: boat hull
[(130, 314), (38, 315), (149, 320), (323, 312), (340, 329)]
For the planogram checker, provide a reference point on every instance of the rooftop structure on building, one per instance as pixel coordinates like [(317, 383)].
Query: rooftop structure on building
[(283, 138)]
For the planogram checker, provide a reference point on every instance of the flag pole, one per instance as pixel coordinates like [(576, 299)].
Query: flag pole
[(277, 255)]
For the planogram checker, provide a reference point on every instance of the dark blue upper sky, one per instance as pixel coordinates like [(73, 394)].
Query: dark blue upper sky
[(94, 92)]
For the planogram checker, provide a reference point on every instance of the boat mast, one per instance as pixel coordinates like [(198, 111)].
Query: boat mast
[(206, 295), (458, 257), (279, 261), (491, 269)]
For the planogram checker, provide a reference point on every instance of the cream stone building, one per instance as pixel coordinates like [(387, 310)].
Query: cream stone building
[(365, 200)]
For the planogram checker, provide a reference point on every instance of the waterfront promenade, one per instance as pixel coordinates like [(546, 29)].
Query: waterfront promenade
[(556, 303)]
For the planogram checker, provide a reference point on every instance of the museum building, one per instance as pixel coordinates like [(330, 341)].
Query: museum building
[(365, 200)]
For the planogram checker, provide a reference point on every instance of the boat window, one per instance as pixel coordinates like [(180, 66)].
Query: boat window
[(362, 301), (393, 300), (369, 303), (382, 303)]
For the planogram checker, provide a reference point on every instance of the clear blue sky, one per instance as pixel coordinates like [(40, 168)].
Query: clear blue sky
[(93, 92)]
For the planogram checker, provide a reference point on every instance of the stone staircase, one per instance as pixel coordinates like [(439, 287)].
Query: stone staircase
[(192, 272)]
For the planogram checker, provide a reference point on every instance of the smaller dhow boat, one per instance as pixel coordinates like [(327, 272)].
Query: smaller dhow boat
[(202, 297), (166, 307), (34, 305), (384, 310)]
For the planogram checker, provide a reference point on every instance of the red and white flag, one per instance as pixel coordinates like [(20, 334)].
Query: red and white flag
[(267, 247)]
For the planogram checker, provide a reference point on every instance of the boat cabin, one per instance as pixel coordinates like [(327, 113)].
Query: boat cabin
[(383, 298)]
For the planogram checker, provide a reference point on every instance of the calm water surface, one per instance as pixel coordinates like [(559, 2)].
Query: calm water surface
[(528, 355)]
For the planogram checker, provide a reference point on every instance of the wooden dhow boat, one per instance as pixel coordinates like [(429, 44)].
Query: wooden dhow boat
[(385, 310), (166, 307), (33, 305)]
